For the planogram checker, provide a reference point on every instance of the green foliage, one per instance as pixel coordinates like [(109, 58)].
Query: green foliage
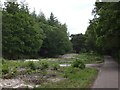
[(70, 77), (55, 66), (103, 32), (52, 20), (43, 65), (31, 65), (78, 42), (78, 79), (8, 75), (8, 70), (69, 70), (22, 37), (91, 37), (3, 61), (78, 64), (56, 41), (24, 33), (88, 58), (5, 69)]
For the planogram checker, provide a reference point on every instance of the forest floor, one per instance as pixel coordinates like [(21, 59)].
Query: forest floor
[(108, 74)]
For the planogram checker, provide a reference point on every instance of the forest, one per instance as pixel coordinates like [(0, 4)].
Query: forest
[(39, 52), (103, 34), (28, 35)]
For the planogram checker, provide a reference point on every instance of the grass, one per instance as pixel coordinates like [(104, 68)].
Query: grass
[(58, 60), (0, 67), (88, 58), (76, 79), (73, 77)]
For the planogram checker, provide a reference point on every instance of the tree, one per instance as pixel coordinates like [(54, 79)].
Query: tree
[(106, 25), (41, 18), (91, 36), (78, 42), (56, 41), (52, 20), (22, 37), (25, 34), (109, 26)]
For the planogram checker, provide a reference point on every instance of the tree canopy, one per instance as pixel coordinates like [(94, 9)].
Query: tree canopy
[(28, 35), (78, 42), (103, 32), (56, 39)]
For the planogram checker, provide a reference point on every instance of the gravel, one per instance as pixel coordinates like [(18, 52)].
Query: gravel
[(13, 83)]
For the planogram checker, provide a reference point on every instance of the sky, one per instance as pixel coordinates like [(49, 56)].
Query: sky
[(75, 13)]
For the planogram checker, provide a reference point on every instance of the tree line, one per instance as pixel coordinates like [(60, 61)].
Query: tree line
[(103, 33), (28, 35)]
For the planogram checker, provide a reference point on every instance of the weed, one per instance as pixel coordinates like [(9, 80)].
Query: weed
[(78, 64), (31, 65), (44, 65), (5, 69), (55, 66)]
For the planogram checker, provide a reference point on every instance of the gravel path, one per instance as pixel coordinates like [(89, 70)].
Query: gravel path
[(108, 75)]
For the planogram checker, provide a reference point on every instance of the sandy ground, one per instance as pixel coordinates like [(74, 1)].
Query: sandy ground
[(13, 83)]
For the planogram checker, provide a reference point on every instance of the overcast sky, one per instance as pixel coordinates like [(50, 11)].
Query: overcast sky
[(75, 13)]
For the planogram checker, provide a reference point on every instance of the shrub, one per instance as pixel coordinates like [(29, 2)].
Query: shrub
[(55, 66), (3, 61), (69, 70), (9, 75), (31, 65), (44, 65), (5, 69), (14, 70), (78, 64)]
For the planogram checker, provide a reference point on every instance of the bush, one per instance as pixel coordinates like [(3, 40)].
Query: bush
[(31, 65), (55, 66), (78, 64), (14, 70), (5, 69), (9, 75), (3, 61), (69, 70), (44, 65)]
